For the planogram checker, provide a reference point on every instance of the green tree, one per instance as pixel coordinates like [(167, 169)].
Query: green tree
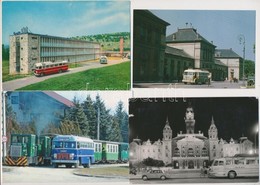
[(115, 132), (91, 114), (104, 117), (78, 117), (122, 119)]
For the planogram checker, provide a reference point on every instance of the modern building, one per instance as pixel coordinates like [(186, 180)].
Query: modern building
[(26, 49), (199, 48), (230, 59), (148, 47), (188, 150)]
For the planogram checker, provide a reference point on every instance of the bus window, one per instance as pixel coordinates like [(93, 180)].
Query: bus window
[(25, 139), (14, 139), (228, 162), (239, 161), (250, 161), (221, 163), (215, 163)]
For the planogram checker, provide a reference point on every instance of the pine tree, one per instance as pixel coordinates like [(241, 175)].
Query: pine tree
[(91, 114), (104, 118), (115, 132), (77, 116), (122, 118)]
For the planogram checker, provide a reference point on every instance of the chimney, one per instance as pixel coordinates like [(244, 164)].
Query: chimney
[(121, 46)]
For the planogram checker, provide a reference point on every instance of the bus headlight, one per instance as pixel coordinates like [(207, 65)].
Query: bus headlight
[(55, 156), (72, 156)]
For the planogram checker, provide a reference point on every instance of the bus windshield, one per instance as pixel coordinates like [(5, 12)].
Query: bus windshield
[(63, 144)]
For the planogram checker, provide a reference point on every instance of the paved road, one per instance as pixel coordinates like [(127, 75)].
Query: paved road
[(196, 180), (52, 175), (16, 84), (213, 85)]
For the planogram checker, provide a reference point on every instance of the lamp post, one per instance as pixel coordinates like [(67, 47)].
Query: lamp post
[(256, 131), (242, 40)]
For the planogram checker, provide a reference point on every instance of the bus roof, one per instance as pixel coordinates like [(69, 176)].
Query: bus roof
[(39, 64), (196, 70), (71, 138)]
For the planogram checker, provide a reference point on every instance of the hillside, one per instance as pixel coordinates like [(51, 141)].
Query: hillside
[(108, 41)]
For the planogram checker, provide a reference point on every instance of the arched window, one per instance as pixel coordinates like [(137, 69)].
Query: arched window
[(204, 152), (190, 152), (176, 152)]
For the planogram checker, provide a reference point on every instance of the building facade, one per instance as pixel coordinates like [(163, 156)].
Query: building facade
[(175, 62), (199, 48), (26, 49), (39, 107), (230, 59), (149, 46), (188, 150)]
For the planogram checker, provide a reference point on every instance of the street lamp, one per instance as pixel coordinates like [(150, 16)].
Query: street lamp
[(242, 40), (256, 131)]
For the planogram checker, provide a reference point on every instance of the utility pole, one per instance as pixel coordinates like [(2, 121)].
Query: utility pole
[(98, 123), (242, 40)]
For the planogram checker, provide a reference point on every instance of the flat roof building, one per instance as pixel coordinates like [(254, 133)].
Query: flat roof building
[(26, 49)]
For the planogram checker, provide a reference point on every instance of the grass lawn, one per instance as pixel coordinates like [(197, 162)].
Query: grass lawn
[(122, 171), (116, 77), (5, 72)]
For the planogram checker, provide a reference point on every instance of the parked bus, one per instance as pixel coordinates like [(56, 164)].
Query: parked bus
[(241, 165), (196, 76), (46, 68), (71, 151)]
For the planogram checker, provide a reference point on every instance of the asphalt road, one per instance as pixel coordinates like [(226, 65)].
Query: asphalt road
[(213, 85), (196, 180), (51, 175), (18, 83)]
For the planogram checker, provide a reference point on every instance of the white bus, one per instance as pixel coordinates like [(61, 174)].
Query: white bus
[(196, 76), (241, 165)]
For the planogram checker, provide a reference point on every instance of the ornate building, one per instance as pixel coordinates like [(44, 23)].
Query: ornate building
[(188, 150)]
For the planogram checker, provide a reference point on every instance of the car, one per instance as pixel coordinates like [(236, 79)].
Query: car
[(103, 60), (154, 174), (250, 81)]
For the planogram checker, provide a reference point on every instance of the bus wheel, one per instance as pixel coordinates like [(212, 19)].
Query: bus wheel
[(60, 71), (41, 74), (231, 175), (68, 165)]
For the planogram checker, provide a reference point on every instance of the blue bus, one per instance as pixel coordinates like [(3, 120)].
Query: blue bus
[(72, 150)]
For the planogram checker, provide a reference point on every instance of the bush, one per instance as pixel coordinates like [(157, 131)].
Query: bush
[(153, 162)]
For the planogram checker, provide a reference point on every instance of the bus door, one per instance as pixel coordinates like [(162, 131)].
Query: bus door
[(239, 165)]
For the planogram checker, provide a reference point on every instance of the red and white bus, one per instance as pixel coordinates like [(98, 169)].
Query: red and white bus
[(46, 68)]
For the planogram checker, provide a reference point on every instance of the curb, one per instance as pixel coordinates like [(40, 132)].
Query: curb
[(101, 176)]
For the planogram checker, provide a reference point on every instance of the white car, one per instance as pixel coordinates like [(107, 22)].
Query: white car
[(103, 60)]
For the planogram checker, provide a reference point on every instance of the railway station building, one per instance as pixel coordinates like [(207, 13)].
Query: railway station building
[(232, 60), (26, 49), (161, 58), (188, 150)]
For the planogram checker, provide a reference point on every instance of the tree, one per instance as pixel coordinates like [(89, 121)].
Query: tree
[(104, 118), (91, 114), (115, 132), (77, 116), (5, 52), (122, 119), (68, 127)]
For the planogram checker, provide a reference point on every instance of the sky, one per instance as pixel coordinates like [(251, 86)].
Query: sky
[(65, 18), (233, 117), (110, 98), (220, 26)]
